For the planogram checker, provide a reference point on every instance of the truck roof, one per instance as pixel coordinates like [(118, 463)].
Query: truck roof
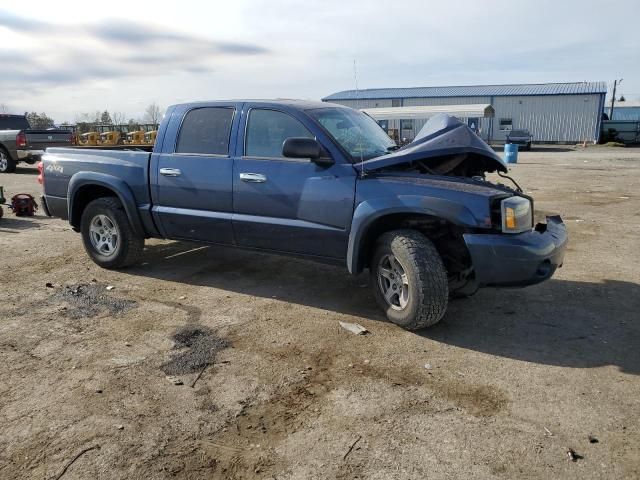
[(288, 102)]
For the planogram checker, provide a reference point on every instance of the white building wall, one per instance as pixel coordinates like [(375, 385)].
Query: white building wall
[(553, 118), (549, 118)]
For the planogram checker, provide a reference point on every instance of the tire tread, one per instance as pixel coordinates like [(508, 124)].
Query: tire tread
[(430, 272)]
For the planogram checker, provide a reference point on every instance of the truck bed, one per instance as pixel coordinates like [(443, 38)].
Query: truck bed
[(60, 164)]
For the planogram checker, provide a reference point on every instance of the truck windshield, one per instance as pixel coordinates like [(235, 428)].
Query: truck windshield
[(356, 132), (13, 122), (519, 133)]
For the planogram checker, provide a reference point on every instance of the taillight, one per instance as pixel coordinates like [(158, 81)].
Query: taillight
[(40, 173), (21, 140)]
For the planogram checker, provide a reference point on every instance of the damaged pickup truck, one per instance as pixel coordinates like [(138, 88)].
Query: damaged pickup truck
[(320, 181)]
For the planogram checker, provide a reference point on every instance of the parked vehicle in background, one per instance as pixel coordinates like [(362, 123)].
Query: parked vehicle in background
[(317, 180), (520, 137), (20, 143)]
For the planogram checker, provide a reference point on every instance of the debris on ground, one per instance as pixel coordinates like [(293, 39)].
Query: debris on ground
[(354, 328), (174, 380), (88, 300), (573, 456), (197, 347), (110, 287), (428, 366), (71, 462), (120, 427), (351, 447), (48, 285), (593, 439), (182, 297), (548, 431)]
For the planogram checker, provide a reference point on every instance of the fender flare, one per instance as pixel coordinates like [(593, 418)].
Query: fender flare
[(368, 212), (116, 185)]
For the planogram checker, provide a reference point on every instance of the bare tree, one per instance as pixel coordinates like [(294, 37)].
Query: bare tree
[(152, 114), (3, 108), (118, 118)]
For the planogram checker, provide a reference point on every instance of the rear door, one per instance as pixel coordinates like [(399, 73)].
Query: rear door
[(192, 178), (285, 204)]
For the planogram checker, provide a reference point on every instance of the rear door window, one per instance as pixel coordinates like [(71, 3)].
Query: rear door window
[(206, 131), (268, 129)]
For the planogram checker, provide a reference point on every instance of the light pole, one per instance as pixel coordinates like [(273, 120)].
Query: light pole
[(613, 97)]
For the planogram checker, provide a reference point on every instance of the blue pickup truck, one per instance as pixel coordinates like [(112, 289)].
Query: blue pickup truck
[(320, 181)]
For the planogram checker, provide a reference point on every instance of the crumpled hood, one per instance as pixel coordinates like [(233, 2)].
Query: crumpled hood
[(441, 136)]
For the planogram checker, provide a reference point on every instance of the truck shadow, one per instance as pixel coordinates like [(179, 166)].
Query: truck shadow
[(560, 322), (13, 224), (27, 169)]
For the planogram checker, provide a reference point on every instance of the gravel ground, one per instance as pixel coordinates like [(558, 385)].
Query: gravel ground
[(516, 378)]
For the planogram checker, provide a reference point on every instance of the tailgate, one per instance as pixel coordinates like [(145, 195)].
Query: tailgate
[(41, 139)]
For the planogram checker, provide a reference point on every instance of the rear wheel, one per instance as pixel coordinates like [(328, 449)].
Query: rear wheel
[(409, 279), (107, 234), (7, 164)]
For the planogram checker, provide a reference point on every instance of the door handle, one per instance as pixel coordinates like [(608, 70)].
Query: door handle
[(253, 177), (170, 172)]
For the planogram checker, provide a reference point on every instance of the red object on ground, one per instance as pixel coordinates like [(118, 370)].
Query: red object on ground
[(23, 205)]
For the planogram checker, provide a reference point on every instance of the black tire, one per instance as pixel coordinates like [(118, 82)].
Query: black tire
[(7, 164), (129, 246), (428, 290)]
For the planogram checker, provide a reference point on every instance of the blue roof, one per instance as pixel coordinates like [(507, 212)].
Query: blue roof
[(577, 88)]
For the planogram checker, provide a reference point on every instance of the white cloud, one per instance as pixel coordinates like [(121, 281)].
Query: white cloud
[(71, 60)]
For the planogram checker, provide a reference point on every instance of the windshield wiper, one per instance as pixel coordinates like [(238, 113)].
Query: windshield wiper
[(393, 148)]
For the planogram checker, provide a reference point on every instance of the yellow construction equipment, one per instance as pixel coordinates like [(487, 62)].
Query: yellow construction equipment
[(150, 137), (89, 139), (110, 138), (135, 138)]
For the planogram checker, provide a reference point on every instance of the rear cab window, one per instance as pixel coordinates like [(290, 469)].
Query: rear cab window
[(206, 131), (268, 129), (13, 122)]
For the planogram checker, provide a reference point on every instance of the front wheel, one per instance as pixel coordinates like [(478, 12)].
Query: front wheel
[(107, 234), (409, 279)]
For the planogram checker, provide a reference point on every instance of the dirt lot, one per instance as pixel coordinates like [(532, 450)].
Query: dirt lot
[(517, 377)]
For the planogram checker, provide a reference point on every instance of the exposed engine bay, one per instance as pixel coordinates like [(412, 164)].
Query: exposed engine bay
[(446, 147)]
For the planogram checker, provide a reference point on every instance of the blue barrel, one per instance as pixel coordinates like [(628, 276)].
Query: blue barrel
[(511, 153)]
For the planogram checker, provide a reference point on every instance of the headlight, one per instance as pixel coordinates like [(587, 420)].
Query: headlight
[(516, 215)]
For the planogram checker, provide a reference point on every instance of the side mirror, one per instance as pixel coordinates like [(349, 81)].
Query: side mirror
[(301, 147)]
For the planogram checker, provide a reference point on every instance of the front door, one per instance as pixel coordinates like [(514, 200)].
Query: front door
[(192, 181), (285, 204)]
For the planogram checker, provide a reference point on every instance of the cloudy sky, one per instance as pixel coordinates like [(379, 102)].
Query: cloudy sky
[(66, 58)]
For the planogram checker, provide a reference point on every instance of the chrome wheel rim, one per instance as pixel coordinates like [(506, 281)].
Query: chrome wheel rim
[(104, 235), (3, 162), (393, 282)]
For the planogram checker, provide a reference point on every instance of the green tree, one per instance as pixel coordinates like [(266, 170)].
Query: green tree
[(41, 120), (105, 118)]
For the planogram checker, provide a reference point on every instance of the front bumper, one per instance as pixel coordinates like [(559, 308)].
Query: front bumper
[(29, 154), (518, 260)]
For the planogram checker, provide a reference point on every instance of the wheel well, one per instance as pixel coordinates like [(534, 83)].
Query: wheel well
[(446, 237), (82, 198)]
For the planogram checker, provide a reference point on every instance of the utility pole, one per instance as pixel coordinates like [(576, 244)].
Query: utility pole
[(613, 97)]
